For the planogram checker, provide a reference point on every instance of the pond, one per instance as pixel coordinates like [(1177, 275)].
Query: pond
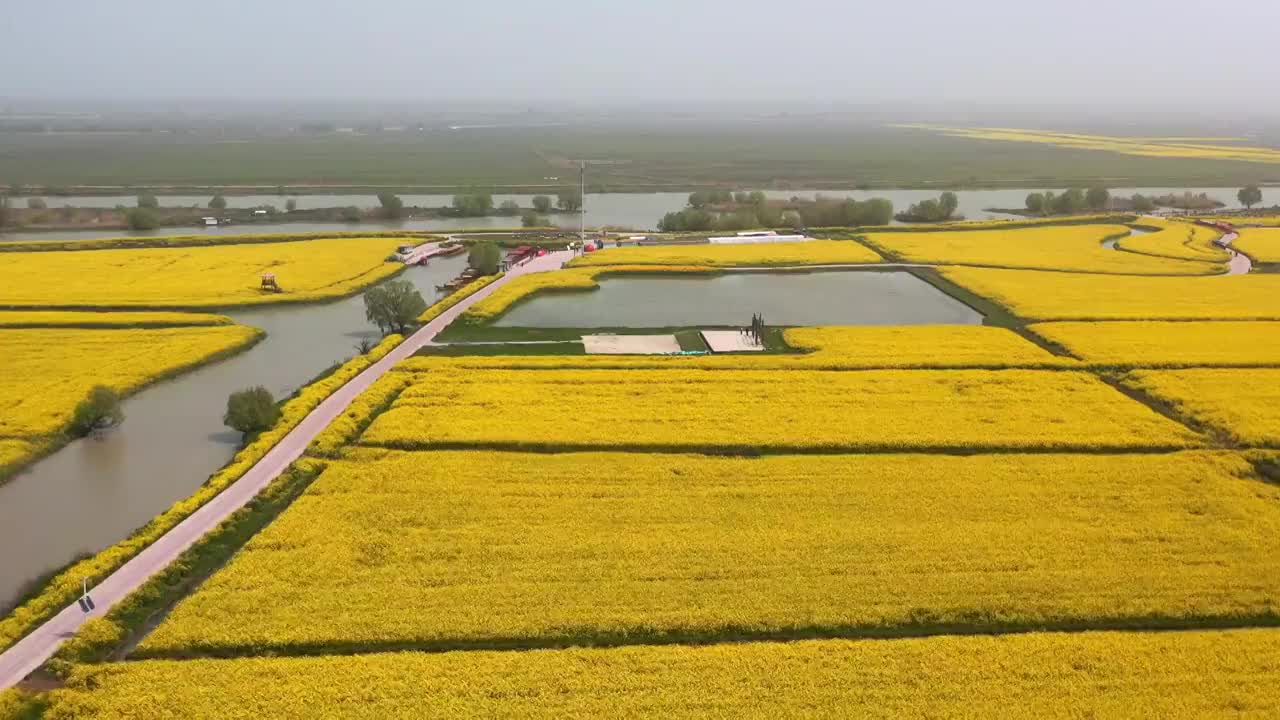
[(792, 298), (95, 492)]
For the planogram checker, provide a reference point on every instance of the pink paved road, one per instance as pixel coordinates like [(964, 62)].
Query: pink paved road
[(31, 652)]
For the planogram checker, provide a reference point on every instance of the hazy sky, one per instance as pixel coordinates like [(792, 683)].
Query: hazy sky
[(679, 50)]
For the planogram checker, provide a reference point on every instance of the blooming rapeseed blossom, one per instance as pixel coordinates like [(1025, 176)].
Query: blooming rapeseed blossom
[(1070, 247), (181, 277), (465, 549), (1079, 296)]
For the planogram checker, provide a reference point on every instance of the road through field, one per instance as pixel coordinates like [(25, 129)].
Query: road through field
[(33, 650)]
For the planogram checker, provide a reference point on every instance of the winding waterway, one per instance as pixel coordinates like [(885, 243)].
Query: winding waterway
[(95, 492)]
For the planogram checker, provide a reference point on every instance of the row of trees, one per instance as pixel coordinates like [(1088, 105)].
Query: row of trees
[(944, 208), (821, 212), (1073, 200), (705, 198)]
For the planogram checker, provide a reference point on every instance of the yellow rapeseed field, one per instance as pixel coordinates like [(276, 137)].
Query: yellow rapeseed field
[(218, 275), (44, 373), (1173, 239), (1174, 147), (1249, 220), (814, 252), (748, 411), (1263, 245), (1168, 344), (1071, 247), (73, 319), (464, 549), (1076, 296), (568, 280), (1033, 676), (1243, 404)]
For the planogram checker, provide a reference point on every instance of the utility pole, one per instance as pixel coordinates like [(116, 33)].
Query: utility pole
[(582, 207)]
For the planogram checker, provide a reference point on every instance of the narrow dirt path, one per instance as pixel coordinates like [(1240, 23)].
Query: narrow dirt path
[(33, 650)]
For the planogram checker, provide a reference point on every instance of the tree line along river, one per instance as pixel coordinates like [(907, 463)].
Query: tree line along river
[(630, 210)]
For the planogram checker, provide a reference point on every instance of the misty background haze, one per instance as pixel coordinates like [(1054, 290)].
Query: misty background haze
[(581, 54)]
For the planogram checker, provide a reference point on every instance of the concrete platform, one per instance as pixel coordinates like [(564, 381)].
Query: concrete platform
[(630, 344), (730, 341)]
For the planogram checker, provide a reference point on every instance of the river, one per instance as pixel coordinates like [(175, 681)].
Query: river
[(629, 210), (95, 492)]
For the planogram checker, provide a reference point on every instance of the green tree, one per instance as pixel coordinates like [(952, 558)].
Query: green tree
[(509, 207), (1098, 197), (4, 210), (141, 218), (1249, 196), (350, 213), (392, 205), (741, 198), (36, 203), (1035, 202), (217, 202), (698, 199), (530, 219), (101, 409), (485, 256), (393, 306), (1142, 203), (148, 200), (473, 205), (541, 204), (1070, 201), (290, 205), (757, 198), (251, 411), (792, 219), (569, 200), (948, 202)]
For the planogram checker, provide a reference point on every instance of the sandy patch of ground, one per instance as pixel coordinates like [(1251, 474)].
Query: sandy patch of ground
[(730, 341), (630, 344)]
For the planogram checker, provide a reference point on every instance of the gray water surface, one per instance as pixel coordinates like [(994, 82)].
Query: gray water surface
[(95, 492), (817, 298), (628, 210)]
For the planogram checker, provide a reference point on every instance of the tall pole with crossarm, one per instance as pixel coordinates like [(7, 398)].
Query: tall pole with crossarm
[(582, 201)]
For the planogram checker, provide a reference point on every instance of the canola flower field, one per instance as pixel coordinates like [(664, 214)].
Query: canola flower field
[(1178, 240), (1263, 245), (520, 549), (762, 411), (1168, 344), (60, 319), (1038, 675), (1034, 295), (1167, 147), (194, 277), (1243, 404), (1068, 248), (918, 511)]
